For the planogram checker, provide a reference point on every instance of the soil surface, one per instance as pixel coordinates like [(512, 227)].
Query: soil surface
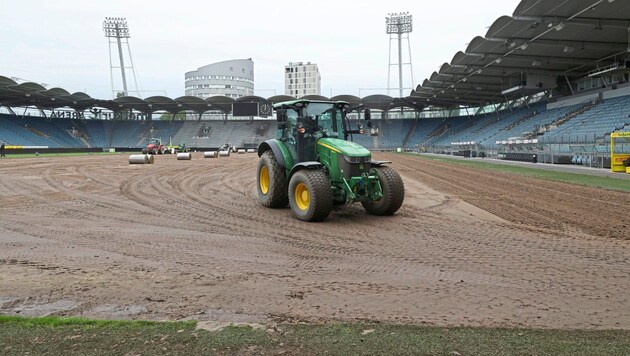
[(93, 236)]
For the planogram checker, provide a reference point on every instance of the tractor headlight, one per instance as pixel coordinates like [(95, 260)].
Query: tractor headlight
[(352, 159)]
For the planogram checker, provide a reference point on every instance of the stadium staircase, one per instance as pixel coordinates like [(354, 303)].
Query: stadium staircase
[(593, 124), (438, 132), (410, 131), (561, 121)]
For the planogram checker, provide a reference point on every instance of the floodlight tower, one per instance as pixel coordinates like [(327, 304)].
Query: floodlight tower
[(117, 32), (399, 24)]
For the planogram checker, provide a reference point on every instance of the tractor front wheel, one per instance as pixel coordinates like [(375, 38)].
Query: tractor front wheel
[(393, 193), (272, 182), (310, 196)]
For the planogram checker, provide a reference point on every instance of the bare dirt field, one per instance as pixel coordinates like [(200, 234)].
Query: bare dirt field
[(96, 237)]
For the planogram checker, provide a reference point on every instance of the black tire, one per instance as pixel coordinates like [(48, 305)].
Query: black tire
[(144, 151), (319, 195), (276, 195), (393, 193)]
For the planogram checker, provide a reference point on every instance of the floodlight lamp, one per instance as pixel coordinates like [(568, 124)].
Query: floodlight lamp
[(560, 26), (524, 46), (498, 60)]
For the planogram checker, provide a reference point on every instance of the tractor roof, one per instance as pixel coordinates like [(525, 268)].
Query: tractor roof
[(305, 102)]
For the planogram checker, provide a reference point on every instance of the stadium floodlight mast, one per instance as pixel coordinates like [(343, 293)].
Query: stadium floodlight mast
[(399, 24), (117, 30)]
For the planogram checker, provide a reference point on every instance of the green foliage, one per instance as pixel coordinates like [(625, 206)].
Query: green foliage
[(179, 116)]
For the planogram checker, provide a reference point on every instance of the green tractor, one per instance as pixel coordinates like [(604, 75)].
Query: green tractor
[(312, 165)]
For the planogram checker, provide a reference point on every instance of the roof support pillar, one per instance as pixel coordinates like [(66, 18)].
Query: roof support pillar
[(569, 83), (10, 109), (41, 111)]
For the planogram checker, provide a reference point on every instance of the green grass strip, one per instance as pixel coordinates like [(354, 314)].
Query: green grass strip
[(75, 336), (69, 154), (610, 183)]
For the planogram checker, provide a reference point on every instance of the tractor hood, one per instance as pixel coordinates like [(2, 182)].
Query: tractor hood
[(346, 148)]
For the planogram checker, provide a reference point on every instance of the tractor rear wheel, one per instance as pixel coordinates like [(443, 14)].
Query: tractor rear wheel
[(272, 182), (393, 193), (310, 196)]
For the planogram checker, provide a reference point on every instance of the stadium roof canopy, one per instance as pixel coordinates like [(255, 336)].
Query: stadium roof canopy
[(543, 44), (13, 94)]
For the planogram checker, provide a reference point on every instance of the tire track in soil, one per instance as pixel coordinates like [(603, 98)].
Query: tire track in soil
[(505, 210), (208, 222), (528, 200)]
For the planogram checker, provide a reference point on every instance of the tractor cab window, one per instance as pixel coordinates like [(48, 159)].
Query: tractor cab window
[(315, 109), (292, 117), (327, 117)]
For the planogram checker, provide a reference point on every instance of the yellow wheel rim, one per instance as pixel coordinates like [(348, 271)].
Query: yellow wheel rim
[(263, 180), (302, 197)]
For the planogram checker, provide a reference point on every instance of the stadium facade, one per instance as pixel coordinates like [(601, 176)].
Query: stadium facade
[(233, 79)]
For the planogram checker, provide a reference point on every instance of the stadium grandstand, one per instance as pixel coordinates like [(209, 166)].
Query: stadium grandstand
[(549, 83)]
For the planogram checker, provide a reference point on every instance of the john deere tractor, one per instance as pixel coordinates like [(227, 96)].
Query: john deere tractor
[(312, 164)]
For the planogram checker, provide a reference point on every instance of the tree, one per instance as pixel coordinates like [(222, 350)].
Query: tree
[(168, 116)]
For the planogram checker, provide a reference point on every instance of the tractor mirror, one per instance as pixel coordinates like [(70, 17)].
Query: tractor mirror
[(368, 114), (281, 115)]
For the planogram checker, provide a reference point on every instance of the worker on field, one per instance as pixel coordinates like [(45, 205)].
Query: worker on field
[(2, 150)]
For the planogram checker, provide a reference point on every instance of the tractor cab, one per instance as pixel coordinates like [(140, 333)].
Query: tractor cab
[(302, 123)]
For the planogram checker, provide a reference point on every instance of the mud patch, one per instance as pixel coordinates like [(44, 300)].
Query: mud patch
[(42, 308)]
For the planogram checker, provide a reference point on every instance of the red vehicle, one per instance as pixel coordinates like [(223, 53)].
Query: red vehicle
[(155, 147)]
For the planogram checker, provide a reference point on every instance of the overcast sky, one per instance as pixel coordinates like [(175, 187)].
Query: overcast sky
[(62, 43)]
